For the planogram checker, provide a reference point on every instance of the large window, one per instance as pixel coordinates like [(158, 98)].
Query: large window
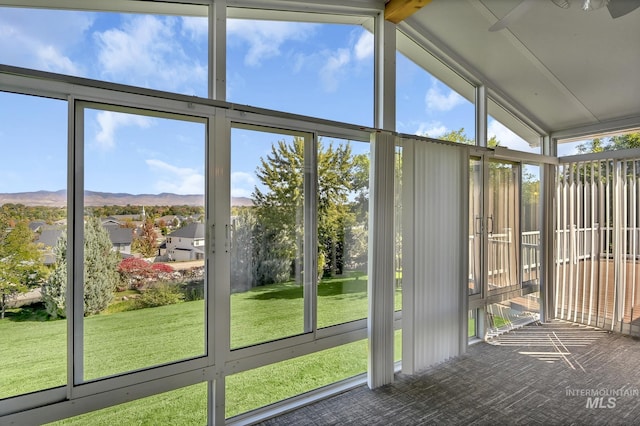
[(147, 50), (143, 294), (317, 69), (431, 99), (271, 286), (269, 183), (343, 227), (33, 220), (504, 129), (184, 406), (246, 390), (607, 142)]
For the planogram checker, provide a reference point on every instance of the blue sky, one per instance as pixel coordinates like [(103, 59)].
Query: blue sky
[(311, 69)]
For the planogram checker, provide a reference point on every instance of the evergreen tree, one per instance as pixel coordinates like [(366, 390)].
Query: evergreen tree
[(100, 268), (100, 272), (54, 292)]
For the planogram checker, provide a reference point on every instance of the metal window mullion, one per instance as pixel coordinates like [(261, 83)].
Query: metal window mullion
[(310, 249), (217, 50), (218, 212), (75, 247)]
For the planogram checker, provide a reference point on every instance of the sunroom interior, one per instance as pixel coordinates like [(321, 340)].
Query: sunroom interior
[(353, 228)]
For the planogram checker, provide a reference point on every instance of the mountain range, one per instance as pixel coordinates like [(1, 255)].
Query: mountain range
[(92, 198)]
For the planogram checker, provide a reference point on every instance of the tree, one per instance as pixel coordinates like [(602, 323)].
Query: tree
[(21, 267), (145, 243), (54, 292), (279, 210), (100, 272), (335, 182), (614, 143), (243, 249), (100, 268)]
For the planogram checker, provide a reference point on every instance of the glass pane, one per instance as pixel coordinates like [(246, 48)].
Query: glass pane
[(267, 197), (472, 327), (397, 346), (599, 144), (343, 218), (33, 218), (185, 406), (319, 70), (266, 385), (144, 275), (153, 51), (503, 129), (530, 225), (426, 105), (502, 226), (475, 226)]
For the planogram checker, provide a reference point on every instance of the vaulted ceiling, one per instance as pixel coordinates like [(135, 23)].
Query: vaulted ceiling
[(569, 71)]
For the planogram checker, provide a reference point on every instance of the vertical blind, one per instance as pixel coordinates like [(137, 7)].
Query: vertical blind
[(435, 252), (597, 245)]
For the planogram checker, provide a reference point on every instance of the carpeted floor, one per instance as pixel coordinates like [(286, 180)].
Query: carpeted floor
[(550, 374)]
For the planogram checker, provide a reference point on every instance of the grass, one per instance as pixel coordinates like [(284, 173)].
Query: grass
[(33, 352)]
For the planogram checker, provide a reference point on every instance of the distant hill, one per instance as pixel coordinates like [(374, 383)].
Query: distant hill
[(59, 199)]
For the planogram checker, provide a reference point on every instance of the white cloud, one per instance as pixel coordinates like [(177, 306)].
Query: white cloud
[(43, 39), (334, 69), (364, 46), (195, 27), (177, 180), (145, 49), (242, 184), (506, 137), (265, 38), (109, 122), (439, 101), (431, 129), (53, 60)]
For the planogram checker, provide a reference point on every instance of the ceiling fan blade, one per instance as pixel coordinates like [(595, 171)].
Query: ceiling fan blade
[(513, 15), (618, 8)]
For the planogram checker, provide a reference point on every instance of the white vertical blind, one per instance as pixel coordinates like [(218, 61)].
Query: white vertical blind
[(596, 263), (435, 252), (381, 260)]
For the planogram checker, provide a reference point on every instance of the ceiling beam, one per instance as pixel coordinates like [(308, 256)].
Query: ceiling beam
[(397, 11)]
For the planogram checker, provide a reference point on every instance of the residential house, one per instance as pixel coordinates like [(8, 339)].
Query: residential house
[(186, 243), (47, 240)]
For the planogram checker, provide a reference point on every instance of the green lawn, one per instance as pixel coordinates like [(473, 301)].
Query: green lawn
[(33, 352)]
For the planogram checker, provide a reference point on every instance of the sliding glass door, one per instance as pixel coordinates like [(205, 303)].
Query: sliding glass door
[(504, 244)]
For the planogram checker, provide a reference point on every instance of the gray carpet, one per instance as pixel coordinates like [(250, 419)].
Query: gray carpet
[(550, 374)]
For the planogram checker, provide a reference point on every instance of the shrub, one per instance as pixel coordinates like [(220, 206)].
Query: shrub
[(193, 290), (160, 294), (272, 271)]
